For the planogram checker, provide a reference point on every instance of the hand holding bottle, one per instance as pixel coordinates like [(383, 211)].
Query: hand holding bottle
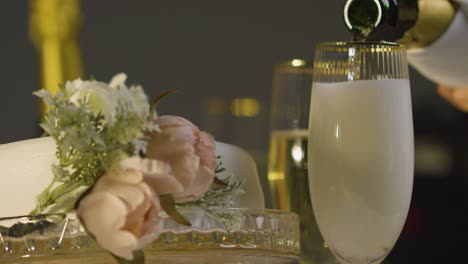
[(458, 97)]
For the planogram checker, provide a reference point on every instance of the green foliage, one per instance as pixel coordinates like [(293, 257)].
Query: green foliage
[(169, 206), (215, 199), (219, 196), (87, 145)]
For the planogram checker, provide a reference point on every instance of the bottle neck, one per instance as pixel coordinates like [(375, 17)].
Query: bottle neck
[(380, 20)]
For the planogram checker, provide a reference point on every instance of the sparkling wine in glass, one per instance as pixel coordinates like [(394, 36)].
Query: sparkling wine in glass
[(287, 163), (361, 150)]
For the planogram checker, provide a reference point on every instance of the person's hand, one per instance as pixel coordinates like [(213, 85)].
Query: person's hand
[(458, 97)]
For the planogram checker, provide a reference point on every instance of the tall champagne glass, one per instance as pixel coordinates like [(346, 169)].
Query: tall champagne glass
[(361, 150)]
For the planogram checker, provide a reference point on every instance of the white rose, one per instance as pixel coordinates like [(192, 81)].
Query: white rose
[(98, 95)]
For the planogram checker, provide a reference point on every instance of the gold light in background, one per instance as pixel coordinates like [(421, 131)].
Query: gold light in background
[(245, 107), (298, 63), (214, 105), (53, 27)]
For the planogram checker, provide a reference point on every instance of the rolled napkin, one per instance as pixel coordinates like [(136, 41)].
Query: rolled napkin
[(26, 171), (240, 165)]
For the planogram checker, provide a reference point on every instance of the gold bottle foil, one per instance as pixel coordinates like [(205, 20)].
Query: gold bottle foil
[(435, 16)]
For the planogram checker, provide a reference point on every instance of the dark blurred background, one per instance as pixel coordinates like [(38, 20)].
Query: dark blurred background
[(215, 53)]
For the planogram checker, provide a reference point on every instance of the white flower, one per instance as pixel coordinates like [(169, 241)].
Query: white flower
[(118, 80), (134, 97), (140, 100), (98, 95), (106, 98)]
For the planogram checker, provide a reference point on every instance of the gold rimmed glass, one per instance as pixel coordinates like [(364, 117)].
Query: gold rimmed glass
[(287, 163), (361, 150)]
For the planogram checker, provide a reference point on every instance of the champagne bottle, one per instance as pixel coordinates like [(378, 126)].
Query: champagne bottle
[(54, 27), (413, 23)]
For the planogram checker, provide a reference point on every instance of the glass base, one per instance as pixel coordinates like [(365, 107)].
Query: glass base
[(181, 257), (250, 236)]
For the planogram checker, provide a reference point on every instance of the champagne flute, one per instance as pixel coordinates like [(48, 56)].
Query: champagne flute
[(361, 150), (287, 163)]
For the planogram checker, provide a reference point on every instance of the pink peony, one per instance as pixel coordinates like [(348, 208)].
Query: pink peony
[(121, 210), (189, 152)]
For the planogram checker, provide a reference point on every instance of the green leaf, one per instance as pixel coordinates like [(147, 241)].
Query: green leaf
[(62, 89), (219, 182), (158, 99), (138, 258), (169, 206), (219, 170)]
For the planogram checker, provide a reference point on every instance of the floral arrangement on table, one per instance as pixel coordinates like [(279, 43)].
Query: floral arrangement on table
[(121, 167)]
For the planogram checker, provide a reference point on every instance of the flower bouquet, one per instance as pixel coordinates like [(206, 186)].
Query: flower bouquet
[(134, 178)]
